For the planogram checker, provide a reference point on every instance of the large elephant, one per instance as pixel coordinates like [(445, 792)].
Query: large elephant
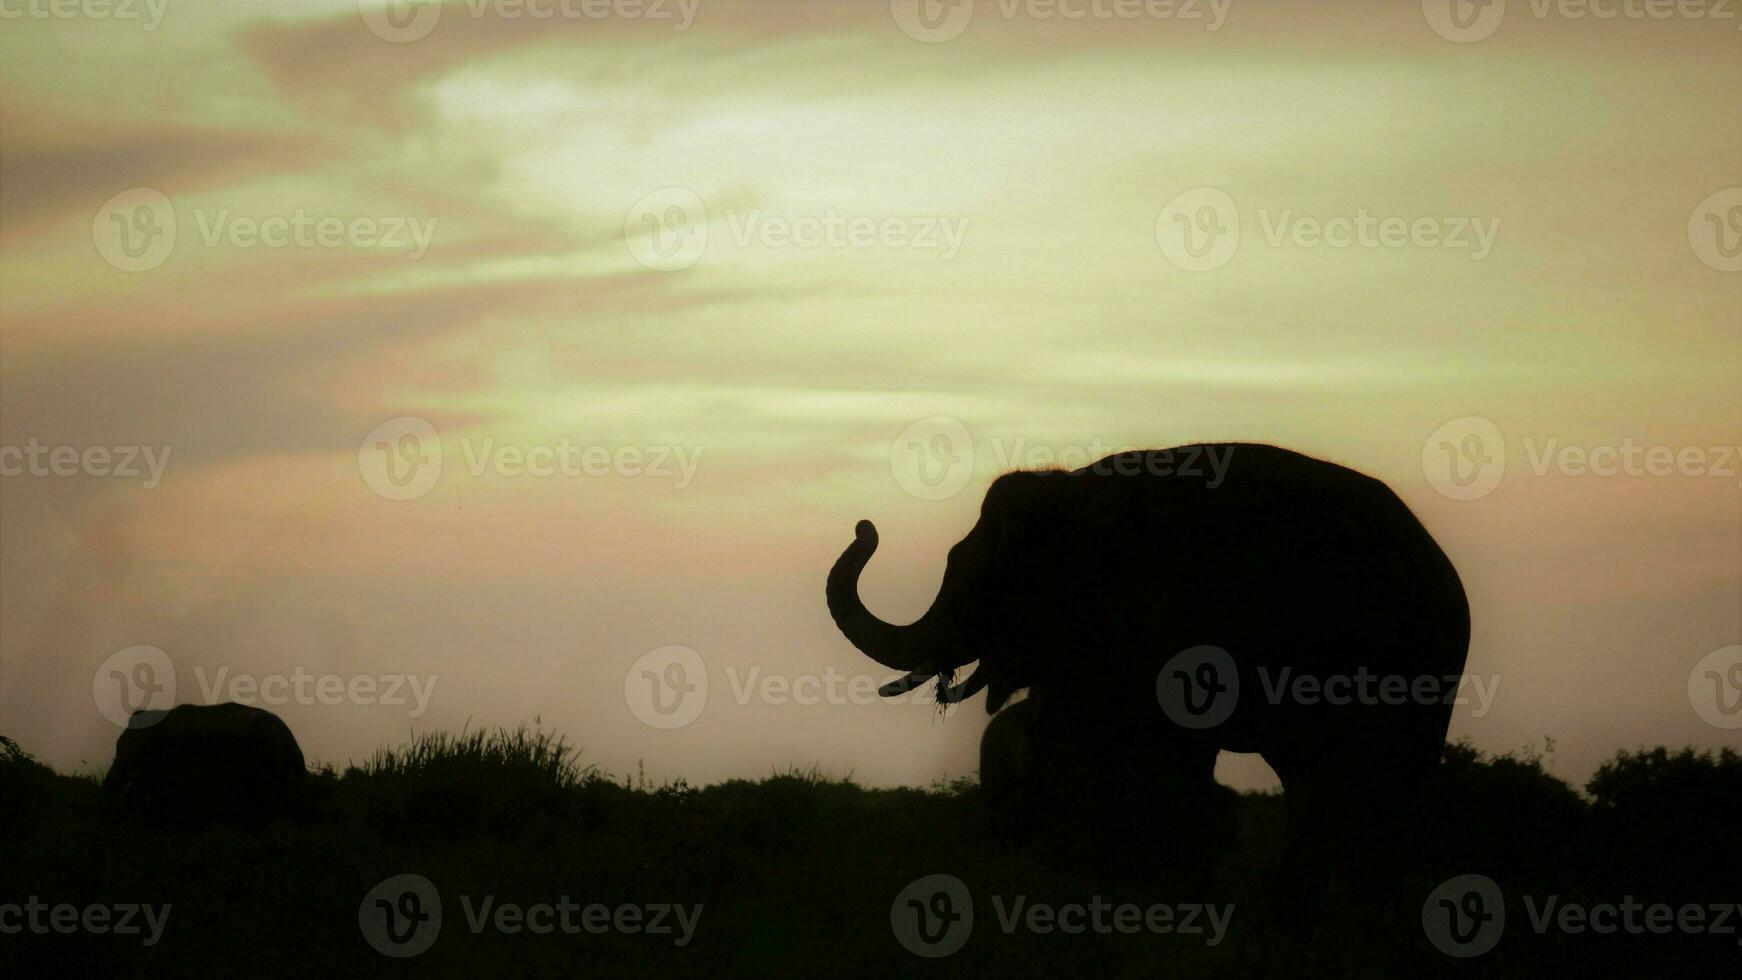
[(196, 764), (1174, 603)]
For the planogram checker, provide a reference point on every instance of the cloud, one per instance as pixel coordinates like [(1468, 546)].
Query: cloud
[(53, 166)]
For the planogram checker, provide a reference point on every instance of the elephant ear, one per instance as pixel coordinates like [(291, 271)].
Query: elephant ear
[(1019, 515), (1019, 508)]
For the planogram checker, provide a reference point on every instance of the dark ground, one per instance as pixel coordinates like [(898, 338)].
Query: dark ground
[(797, 874)]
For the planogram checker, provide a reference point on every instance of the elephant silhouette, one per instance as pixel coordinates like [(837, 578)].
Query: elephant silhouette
[(192, 765), (1165, 605)]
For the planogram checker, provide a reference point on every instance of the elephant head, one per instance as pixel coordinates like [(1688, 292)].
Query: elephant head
[(979, 608)]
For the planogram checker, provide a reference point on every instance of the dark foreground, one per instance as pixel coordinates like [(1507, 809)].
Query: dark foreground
[(541, 868)]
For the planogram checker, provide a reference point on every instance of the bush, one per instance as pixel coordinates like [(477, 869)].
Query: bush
[(484, 781), (1667, 820)]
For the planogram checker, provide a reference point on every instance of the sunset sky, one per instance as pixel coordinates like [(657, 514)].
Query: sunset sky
[(740, 257)]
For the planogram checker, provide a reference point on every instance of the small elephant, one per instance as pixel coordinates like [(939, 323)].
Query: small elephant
[(192, 765), (1171, 604)]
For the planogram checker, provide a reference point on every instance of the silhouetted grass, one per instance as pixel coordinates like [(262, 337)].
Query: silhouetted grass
[(484, 781), (797, 872)]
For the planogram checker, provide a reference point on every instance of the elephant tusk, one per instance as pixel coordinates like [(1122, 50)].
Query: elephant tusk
[(964, 690), (905, 684)]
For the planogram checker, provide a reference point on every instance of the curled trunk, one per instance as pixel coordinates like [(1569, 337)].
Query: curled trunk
[(895, 647)]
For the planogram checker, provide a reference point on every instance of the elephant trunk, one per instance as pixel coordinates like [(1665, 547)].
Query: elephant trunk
[(895, 647)]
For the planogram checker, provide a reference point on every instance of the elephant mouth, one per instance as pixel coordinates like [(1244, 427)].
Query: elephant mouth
[(949, 692)]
